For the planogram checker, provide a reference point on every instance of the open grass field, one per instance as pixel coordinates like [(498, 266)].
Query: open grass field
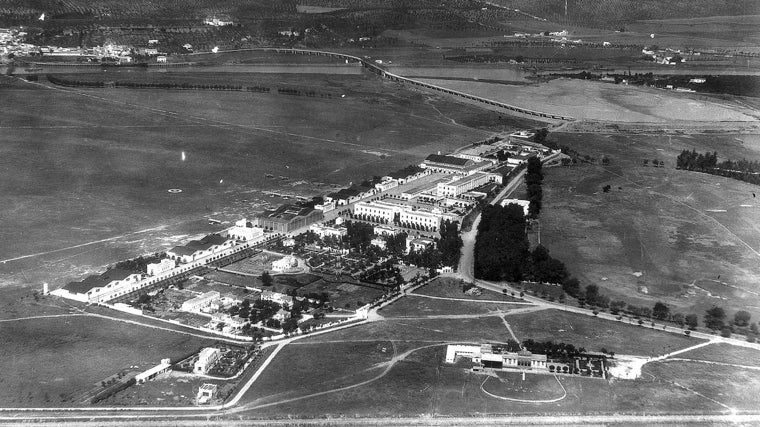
[(602, 101), (411, 306), (448, 287), (50, 361), (510, 385), (729, 386), (486, 329), (594, 334), (421, 384), (724, 353), (301, 368), (687, 238), (92, 167)]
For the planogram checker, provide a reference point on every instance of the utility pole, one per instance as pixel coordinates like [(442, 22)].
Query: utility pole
[(565, 8)]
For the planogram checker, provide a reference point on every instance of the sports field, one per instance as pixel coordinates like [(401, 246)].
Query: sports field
[(90, 165), (687, 238)]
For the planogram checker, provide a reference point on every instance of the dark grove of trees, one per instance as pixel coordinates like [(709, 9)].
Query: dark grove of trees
[(743, 170), (450, 244), (533, 179), (502, 250)]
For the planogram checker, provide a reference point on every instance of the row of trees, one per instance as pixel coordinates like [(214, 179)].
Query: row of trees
[(743, 170)]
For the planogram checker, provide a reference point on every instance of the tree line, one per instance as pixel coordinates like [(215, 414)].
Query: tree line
[(742, 170)]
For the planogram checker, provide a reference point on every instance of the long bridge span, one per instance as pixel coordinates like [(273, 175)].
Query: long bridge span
[(401, 79)]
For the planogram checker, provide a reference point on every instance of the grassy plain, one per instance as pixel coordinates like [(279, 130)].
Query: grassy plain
[(604, 101), (411, 306), (50, 361), (687, 238), (594, 334), (92, 167), (421, 384), (448, 287), (724, 353)]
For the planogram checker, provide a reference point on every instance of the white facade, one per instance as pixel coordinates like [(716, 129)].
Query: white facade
[(323, 231), (206, 359), (384, 230), (379, 242), (525, 204), (245, 233), (198, 303), (206, 392), (377, 209), (459, 185), (283, 264), (153, 372), (277, 297), (160, 267), (386, 185)]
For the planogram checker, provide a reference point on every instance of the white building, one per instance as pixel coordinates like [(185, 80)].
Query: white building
[(277, 297), (385, 230), (418, 244), (387, 184), (153, 372), (104, 287), (200, 302), (161, 58), (458, 185), (198, 249), (160, 267), (495, 356), (241, 231), (323, 231), (525, 204), (284, 264), (379, 242), (206, 359), (206, 392)]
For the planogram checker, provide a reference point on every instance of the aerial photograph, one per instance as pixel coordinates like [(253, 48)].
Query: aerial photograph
[(379, 212)]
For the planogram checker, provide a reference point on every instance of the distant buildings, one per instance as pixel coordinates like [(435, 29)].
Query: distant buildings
[(323, 231)]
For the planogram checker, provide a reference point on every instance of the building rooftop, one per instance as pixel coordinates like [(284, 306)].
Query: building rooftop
[(448, 160), (98, 280)]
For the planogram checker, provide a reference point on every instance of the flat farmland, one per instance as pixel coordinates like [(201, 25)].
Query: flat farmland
[(86, 172), (50, 361), (687, 238), (421, 383)]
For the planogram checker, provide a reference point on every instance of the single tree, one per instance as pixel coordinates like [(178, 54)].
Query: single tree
[(714, 318), (660, 311), (266, 279), (741, 318), (691, 321)]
